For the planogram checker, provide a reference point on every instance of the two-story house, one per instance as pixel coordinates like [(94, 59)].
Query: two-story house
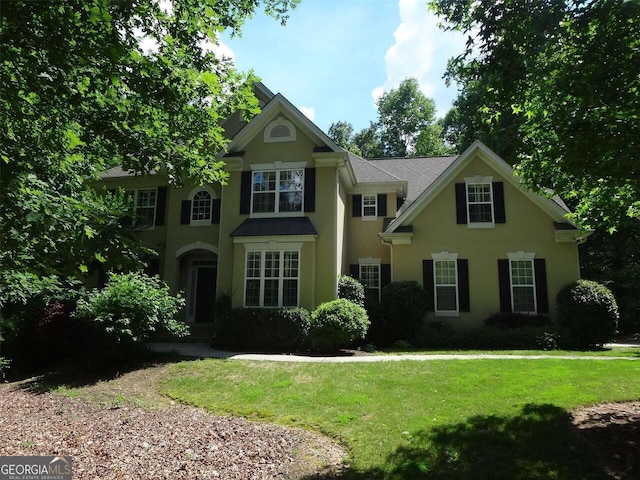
[(298, 210)]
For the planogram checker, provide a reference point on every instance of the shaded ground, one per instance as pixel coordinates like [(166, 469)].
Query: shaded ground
[(613, 430)]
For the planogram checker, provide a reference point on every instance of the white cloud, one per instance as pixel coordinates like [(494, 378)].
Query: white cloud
[(421, 50), (308, 112)]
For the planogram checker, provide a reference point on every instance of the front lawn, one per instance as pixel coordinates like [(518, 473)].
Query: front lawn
[(480, 419)]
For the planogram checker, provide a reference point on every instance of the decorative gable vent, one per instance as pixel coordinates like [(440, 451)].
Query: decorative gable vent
[(280, 130)]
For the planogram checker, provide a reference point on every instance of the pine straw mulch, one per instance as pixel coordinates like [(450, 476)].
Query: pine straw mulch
[(613, 431), (120, 430)]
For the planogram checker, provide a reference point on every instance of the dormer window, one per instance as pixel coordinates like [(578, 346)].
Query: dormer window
[(280, 130)]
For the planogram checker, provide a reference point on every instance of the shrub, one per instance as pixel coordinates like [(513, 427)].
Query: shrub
[(516, 320), (351, 289), (589, 311), (337, 324), (131, 307), (438, 336), (404, 305), (263, 329)]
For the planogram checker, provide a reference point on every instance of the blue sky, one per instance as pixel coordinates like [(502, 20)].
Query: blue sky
[(334, 57)]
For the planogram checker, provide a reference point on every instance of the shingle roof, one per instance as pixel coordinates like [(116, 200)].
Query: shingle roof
[(259, 227), (367, 171), (419, 172), (117, 172)]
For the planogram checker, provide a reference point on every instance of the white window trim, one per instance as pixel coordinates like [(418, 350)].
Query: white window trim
[(480, 180), (369, 218), (277, 167), (201, 223), (263, 249), (523, 256), (445, 257), (368, 262), (278, 122), (135, 191)]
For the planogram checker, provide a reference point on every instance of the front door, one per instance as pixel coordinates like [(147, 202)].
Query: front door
[(202, 290)]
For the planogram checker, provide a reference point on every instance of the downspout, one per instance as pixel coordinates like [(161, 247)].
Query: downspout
[(390, 245)]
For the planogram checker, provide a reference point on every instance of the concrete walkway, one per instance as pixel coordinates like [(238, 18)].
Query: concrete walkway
[(201, 350)]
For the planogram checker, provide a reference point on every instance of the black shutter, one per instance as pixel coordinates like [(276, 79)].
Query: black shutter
[(461, 203), (382, 204), (427, 283), (504, 281), (245, 193), (161, 206), (463, 285), (385, 274), (215, 213), (542, 295), (354, 271), (357, 205), (185, 212), (309, 189), (498, 202)]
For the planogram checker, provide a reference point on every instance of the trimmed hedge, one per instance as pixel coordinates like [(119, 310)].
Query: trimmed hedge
[(337, 324), (404, 305), (437, 336), (589, 311), (351, 289), (263, 329)]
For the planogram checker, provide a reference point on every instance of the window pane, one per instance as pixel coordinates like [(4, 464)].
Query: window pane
[(523, 299), (369, 203), (290, 293), (290, 202), (253, 264), (264, 202), (522, 272), (445, 272), (290, 265), (291, 186), (271, 293), (446, 298), (201, 206), (480, 202), (272, 264), (252, 295), (264, 181)]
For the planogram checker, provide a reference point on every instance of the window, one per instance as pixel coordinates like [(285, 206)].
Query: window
[(446, 286), (144, 207), (480, 203), (369, 206), (277, 191), (280, 130), (370, 279), (201, 206), (523, 290), (272, 278)]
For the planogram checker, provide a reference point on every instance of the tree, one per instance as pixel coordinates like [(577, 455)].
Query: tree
[(406, 125), (561, 79), (78, 94), (403, 115)]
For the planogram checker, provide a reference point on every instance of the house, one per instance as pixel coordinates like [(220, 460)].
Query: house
[(298, 210)]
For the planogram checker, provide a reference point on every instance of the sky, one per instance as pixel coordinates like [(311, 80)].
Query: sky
[(335, 57)]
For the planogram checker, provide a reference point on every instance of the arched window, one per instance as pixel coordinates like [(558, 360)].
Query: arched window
[(201, 206), (280, 130)]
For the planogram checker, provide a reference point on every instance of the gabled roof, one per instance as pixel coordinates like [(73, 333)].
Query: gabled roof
[(484, 153), (367, 171), (279, 104), (419, 172)]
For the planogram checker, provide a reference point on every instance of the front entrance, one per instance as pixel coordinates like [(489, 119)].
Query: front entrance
[(201, 291)]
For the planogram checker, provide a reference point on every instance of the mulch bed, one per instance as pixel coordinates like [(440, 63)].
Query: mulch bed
[(613, 431), (176, 442)]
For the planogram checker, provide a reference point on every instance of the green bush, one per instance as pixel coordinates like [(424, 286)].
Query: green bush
[(589, 311), (263, 329), (404, 305), (337, 324), (351, 289), (442, 337), (132, 307)]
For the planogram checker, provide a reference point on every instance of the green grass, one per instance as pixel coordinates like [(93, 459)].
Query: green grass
[(461, 419), (632, 352)]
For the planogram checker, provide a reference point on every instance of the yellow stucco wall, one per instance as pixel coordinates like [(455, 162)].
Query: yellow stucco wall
[(527, 228)]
